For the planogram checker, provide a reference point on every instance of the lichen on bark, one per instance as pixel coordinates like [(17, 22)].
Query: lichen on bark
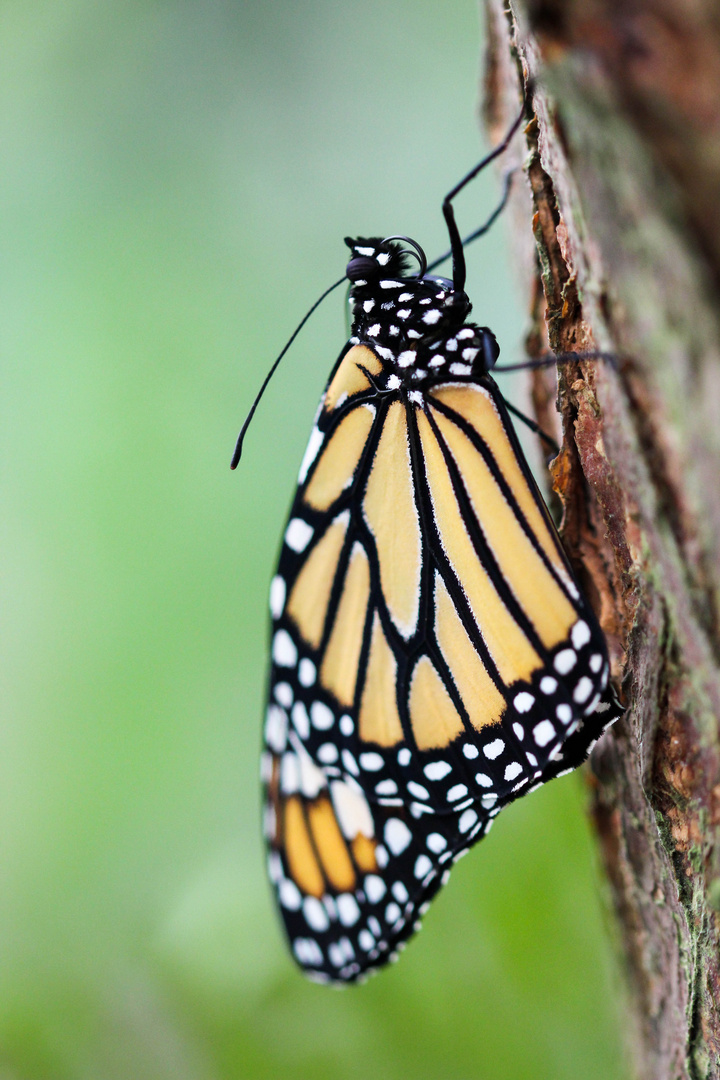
[(618, 237)]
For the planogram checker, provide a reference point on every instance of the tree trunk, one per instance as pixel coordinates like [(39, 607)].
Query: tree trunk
[(620, 240)]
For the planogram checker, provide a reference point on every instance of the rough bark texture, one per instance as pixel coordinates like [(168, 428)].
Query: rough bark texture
[(620, 238)]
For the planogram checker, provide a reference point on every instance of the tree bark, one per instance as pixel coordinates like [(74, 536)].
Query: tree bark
[(620, 241)]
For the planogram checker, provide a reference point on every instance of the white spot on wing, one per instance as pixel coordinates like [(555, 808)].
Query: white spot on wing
[(311, 452), (289, 774), (423, 866), (315, 914), (580, 634), (456, 792), (321, 716), (284, 694), (307, 951), (437, 770), (276, 728), (543, 733), (312, 779), (583, 690), (494, 749), (392, 914), (301, 720), (565, 661), (374, 888), (350, 763), (283, 650), (397, 835), (524, 702), (277, 596), (371, 761), (352, 811), (348, 910), (306, 672), (365, 940), (328, 753)]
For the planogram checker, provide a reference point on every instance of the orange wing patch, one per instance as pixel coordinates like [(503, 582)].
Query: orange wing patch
[(302, 860), (349, 378), (535, 587), (379, 718), (324, 852), (435, 720), (476, 406), (339, 669), (336, 467), (480, 696), (392, 515), (330, 845), (512, 653), (310, 596)]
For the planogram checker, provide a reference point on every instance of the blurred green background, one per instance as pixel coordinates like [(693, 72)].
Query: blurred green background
[(177, 179)]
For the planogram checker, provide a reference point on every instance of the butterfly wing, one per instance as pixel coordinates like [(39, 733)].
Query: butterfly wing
[(432, 658)]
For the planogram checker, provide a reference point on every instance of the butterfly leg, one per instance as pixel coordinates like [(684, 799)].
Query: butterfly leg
[(486, 225), (551, 359), (547, 439), (456, 245)]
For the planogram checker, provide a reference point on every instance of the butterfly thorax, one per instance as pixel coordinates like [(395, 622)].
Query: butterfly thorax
[(416, 325)]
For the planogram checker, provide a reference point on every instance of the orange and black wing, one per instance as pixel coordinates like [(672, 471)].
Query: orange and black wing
[(432, 658)]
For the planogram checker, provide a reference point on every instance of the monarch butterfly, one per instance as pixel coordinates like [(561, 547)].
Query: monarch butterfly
[(432, 655)]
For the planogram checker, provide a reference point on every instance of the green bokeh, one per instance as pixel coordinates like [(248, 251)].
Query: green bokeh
[(177, 179)]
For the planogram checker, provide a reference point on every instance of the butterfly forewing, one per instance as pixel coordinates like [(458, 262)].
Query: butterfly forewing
[(432, 656)]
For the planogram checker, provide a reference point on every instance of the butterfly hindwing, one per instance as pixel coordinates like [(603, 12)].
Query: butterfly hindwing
[(352, 877)]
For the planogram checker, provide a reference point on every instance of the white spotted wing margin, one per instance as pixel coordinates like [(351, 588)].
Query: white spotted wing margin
[(346, 915), (432, 656)]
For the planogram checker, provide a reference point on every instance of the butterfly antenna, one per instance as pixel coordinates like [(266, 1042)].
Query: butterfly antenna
[(239, 445)]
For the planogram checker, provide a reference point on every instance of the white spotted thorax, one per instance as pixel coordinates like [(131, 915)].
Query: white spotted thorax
[(416, 326), (432, 656)]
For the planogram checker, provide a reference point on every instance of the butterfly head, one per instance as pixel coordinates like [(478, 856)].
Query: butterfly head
[(413, 320)]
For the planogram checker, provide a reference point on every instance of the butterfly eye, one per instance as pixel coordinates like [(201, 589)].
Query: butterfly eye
[(362, 267)]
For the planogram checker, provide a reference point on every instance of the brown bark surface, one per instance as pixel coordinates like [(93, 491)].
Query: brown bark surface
[(618, 230)]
